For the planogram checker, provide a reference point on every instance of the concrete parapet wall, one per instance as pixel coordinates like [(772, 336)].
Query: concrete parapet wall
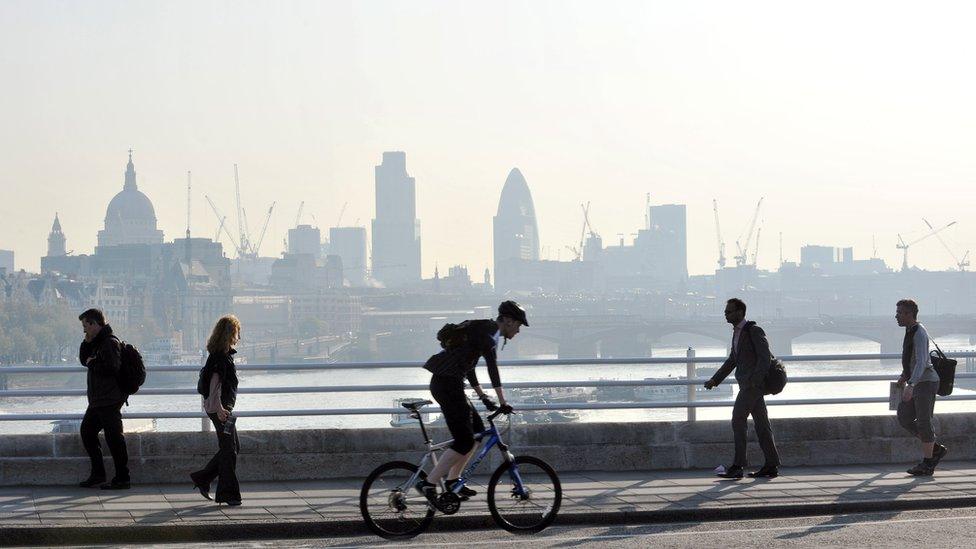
[(54, 459)]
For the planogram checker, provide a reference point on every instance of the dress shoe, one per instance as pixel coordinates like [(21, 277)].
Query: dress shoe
[(91, 482), (116, 484), (231, 502), (734, 472), (765, 471), (925, 468), (204, 489)]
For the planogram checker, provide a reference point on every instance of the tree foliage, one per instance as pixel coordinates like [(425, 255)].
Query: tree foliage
[(37, 333)]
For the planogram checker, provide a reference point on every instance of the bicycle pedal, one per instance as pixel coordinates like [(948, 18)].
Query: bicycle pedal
[(448, 503)]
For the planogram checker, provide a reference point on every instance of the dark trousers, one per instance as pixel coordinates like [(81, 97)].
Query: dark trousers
[(748, 402), (109, 419), (223, 466), (916, 414)]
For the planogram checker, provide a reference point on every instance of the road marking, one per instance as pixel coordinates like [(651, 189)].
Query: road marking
[(685, 533)]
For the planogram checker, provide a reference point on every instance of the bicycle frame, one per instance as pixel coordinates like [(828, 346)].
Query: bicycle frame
[(494, 439)]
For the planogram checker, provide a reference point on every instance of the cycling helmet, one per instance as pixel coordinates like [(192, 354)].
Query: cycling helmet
[(513, 310)]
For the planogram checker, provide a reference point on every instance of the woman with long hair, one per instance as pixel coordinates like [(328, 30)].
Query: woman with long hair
[(219, 378)]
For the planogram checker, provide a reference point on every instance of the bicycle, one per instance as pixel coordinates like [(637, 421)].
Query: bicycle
[(525, 501)]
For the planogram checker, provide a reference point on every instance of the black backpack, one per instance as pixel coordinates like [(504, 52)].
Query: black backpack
[(132, 370), (203, 381), (775, 378), (453, 335), (945, 367)]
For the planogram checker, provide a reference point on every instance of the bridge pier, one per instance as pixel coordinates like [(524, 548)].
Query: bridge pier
[(633, 346), (573, 348)]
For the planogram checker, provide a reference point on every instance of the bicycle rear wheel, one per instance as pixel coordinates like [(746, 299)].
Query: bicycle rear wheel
[(390, 506), (524, 499)]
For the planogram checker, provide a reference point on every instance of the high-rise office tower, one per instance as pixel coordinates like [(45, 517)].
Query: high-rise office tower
[(516, 234), (349, 243), (396, 229), (305, 239), (6, 261), (669, 233)]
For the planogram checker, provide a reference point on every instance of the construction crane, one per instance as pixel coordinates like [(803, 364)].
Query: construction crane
[(578, 249), (220, 227), (241, 219), (586, 219), (718, 236), (223, 219), (743, 256), (264, 230), (341, 213), (960, 264), (189, 183), (903, 246), (755, 252), (298, 217)]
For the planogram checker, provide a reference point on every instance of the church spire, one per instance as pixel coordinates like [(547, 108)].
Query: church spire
[(130, 175), (56, 241)]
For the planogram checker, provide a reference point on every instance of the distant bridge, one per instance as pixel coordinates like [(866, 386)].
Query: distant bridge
[(633, 335)]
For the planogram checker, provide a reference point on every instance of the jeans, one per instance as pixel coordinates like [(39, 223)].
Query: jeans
[(109, 419), (750, 401), (223, 466)]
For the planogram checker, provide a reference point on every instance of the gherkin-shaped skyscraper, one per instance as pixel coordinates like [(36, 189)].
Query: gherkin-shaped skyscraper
[(516, 233)]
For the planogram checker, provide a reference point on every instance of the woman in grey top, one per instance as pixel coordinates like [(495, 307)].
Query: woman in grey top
[(920, 383)]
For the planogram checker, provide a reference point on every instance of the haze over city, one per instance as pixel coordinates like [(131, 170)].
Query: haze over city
[(849, 135)]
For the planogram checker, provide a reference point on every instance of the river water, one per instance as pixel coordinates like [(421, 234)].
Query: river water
[(145, 403)]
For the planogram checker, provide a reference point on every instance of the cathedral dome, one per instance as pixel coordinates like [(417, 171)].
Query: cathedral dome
[(130, 205), (130, 217)]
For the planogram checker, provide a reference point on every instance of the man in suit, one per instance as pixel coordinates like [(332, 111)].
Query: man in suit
[(751, 359)]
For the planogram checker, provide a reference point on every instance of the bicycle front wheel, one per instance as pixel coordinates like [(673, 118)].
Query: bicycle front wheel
[(524, 496), (390, 505)]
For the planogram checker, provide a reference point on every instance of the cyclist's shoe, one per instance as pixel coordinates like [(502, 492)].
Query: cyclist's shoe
[(506, 409), (464, 492), (428, 490)]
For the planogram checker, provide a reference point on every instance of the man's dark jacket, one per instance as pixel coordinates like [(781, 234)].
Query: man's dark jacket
[(750, 360), (105, 352), (223, 365), (460, 361)]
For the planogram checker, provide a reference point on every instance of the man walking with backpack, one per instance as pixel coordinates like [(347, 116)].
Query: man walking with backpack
[(920, 383), (751, 360), (101, 354)]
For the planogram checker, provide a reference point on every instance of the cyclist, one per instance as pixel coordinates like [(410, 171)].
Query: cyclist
[(463, 345)]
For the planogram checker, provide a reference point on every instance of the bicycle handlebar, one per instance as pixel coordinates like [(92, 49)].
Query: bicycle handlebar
[(495, 414)]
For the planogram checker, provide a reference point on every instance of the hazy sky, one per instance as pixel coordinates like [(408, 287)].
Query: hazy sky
[(853, 119)]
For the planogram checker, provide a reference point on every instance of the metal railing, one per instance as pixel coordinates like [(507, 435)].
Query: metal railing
[(690, 381)]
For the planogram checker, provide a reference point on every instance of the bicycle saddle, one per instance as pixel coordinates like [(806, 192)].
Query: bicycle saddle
[(415, 405)]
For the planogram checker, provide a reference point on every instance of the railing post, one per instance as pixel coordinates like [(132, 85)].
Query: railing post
[(691, 388)]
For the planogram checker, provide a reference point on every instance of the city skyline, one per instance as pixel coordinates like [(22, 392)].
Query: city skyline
[(598, 104)]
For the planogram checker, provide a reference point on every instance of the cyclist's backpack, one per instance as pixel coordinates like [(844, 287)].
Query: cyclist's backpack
[(132, 370), (453, 335)]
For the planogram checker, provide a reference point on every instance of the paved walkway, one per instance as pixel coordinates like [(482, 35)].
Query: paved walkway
[(47, 514)]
